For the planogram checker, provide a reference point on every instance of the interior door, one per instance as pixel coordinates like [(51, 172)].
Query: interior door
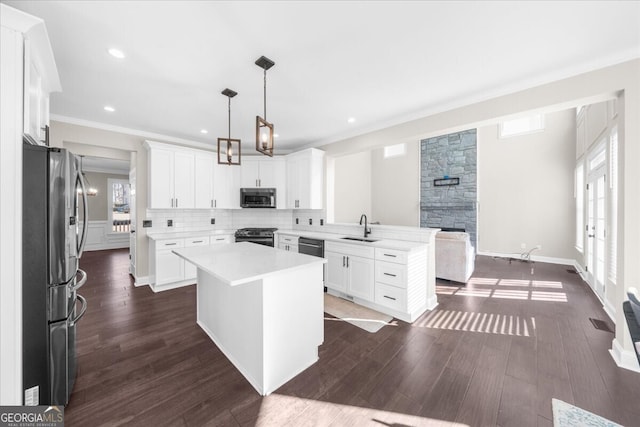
[(596, 220)]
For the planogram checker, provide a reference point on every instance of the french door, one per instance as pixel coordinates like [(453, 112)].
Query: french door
[(596, 220)]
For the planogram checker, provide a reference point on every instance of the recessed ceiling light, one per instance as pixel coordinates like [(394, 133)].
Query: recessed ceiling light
[(204, 131), (109, 108), (116, 53), (351, 119)]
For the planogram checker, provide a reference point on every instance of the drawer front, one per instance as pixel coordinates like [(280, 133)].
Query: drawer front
[(196, 241), (289, 239), (390, 296), (391, 255), (391, 274), (347, 249), (170, 244), (220, 239)]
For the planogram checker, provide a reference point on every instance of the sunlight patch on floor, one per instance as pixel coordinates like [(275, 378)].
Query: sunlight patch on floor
[(490, 323), (278, 409), (483, 287)]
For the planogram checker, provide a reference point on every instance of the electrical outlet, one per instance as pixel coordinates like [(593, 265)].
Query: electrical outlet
[(169, 223), (213, 221), (297, 221), (146, 223), (310, 221), (321, 221), (523, 246)]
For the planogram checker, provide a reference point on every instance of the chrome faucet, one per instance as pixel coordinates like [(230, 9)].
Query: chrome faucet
[(367, 230)]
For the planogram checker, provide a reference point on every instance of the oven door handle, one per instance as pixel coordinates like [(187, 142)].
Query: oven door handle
[(310, 245)]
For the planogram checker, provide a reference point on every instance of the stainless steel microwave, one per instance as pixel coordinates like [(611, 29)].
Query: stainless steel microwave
[(258, 197)]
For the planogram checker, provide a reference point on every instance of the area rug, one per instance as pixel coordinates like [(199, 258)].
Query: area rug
[(362, 317), (566, 415)]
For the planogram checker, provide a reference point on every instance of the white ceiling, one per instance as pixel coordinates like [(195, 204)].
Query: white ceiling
[(382, 62)]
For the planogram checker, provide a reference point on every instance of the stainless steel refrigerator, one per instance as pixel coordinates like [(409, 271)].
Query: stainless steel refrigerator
[(52, 243)]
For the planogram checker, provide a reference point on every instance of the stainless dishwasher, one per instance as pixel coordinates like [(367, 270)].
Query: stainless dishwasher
[(314, 247)]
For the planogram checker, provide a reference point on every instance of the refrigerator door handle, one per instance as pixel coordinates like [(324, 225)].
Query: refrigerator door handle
[(85, 220), (82, 311), (82, 281)]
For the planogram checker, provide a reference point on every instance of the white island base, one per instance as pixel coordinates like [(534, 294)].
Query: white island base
[(270, 327)]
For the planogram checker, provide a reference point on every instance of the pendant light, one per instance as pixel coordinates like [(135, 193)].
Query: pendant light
[(264, 129), (229, 149), (91, 191)]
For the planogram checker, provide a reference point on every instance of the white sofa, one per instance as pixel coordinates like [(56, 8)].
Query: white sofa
[(455, 256)]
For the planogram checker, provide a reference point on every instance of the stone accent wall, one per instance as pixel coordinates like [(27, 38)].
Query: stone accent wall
[(453, 156)]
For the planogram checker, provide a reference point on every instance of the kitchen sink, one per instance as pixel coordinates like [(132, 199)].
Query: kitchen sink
[(359, 239)]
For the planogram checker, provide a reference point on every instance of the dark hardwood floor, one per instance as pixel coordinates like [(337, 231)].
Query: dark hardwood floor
[(494, 352)]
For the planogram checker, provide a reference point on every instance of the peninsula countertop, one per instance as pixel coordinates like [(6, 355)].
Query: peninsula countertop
[(244, 262)]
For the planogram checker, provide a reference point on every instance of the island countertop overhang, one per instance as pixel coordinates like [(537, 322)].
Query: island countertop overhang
[(244, 262)]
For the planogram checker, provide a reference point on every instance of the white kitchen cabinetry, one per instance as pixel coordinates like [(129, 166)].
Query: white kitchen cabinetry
[(305, 179), (226, 187), (265, 173), (168, 270), (350, 269), (204, 180), (288, 242), (171, 177)]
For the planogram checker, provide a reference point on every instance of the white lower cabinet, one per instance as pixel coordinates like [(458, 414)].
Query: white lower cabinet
[(288, 242), (168, 270), (391, 281), (350, 269)]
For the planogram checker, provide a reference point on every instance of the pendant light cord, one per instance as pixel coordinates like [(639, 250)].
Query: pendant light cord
[(229, 117), (265, 94)]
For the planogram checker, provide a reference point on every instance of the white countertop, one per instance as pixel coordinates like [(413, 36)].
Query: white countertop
[(402, 245), (238, 263), (187, 234)]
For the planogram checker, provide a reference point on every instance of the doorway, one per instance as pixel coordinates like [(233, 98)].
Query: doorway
[(596, 220)]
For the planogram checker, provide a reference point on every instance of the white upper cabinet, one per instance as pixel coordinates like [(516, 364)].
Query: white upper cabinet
[(226, 187), (305, 179), (265, 172), (204, 164), (172, 176)]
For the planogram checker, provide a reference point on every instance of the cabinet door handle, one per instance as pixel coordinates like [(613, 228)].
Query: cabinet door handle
[(392, 256), (389, 274), (388, 297), (347, 262), (176, 202), (343, 262), (211, 202), (172, 202), (215, 203)]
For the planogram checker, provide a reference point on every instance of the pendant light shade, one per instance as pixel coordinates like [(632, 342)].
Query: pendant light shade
[(264, 129), (228, 148)]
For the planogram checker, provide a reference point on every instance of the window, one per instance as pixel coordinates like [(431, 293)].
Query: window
[(613, 188), (521, 126), (394, 150), (579, 195), (118, 200)]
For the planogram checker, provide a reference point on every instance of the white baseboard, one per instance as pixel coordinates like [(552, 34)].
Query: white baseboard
[(610, 310), (624, 358), (141, 281), (535, 258)]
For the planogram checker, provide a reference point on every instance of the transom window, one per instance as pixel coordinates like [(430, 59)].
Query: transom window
[(521, 126)]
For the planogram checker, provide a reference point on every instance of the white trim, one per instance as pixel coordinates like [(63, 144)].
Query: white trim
[(610, 310), (11, 213), (141, 281), (129, 131), (99, 238), (535, 258), (624, 358), (173, 285)]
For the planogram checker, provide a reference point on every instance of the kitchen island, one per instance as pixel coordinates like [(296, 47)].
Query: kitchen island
[(262, 307)]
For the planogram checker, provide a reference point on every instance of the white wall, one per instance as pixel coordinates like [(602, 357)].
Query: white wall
[(395, 187), (525, 187), (352, 191)]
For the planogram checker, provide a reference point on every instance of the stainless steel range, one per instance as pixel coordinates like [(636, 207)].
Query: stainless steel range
[(261, 236)]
